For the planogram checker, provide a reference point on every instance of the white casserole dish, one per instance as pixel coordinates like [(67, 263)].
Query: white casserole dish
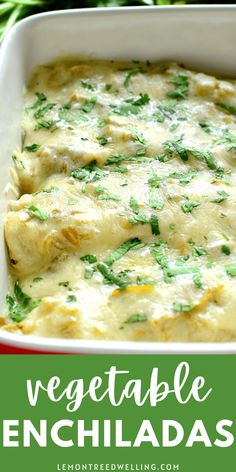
[(200, 37)]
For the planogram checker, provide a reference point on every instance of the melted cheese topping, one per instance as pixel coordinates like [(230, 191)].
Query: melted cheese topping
[(125, 224)]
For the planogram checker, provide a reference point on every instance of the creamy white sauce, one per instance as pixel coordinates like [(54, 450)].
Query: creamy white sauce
[(164, 173)]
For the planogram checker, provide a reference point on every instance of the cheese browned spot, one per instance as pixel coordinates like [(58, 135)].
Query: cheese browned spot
[(125, 225)]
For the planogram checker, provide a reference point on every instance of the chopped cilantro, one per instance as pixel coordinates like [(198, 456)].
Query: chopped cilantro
[(103, 194), (222, 196), (174, 127), (228, 139), (189, 205), (89, 258), (64, 284), (205, 156), (137, 135), (197, 280), (121, 170), (116, 159), (231, 270), (154, 222), (182, 307), (138, 218), (144, 281), (101, 123), (154, 180), (47, 190), (88, 273), (43, 110), (71, 299), (72, 116), (175, 146), (181, 82), (102, 140), (131, 106), (89, 105), (230, 108), (139, 215), (48, 124), (40, 99), (34, 211), (153, 200), (108, 87), (37, 279), (89, 173), (87, 85), (20, 304), (199, 251), (18, 162), (184, 179), (137, 318), (226, 250), (110, 277), (32, 148), (133, 203), (206, 126), (182, 270), (122, 250), (165, 109), (130, 73)]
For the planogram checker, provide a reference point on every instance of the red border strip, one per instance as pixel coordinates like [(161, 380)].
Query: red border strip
[(4, 349)]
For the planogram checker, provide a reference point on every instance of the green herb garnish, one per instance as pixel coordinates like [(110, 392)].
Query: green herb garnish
[(199, 251), (89, 258), (64, 284), (103, 194), (89, 173), (71, 299), (206, 127), (132, 72), (228, 139), (48, 124), (108, 87), (222, 196), (231, 270), (137, 318), (175, 146), (89, 105), (182, 307), (37, 279), (20, 304), (137, 135), (122, 250), (41, 97), (110, 277), (226, 250), (197, 280), (154, 180), (131, 106), (189, 205), (230, 108), (42, 111), (34, 211), (153, 200), (88, 273), (102, 140), (154, 222), (184, 179), (87, 85), (32, 148), (181, 81)]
